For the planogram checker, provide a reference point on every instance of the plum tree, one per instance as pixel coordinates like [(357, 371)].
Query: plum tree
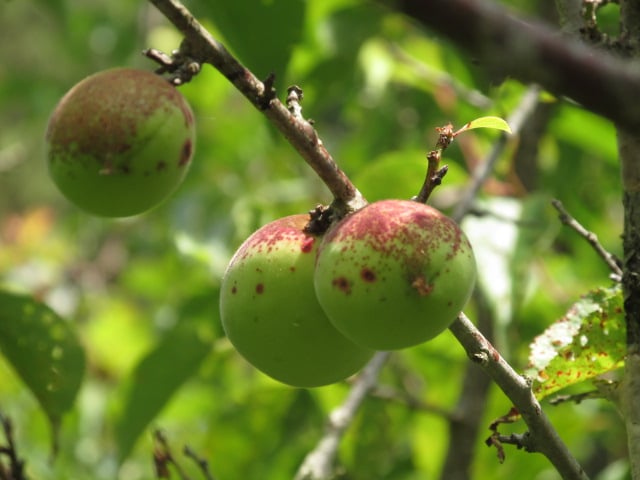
[(120, 141), (270, 312), (394, 274)]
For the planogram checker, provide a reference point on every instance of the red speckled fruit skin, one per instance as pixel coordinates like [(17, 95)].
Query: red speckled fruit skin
[(120, 141), (270, 313), (394, 274)]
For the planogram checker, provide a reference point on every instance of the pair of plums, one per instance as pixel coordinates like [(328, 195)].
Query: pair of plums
[(311, 310)]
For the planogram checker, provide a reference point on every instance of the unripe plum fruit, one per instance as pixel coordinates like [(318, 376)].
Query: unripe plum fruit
[(270, 313), (394, 274), (119, 142)]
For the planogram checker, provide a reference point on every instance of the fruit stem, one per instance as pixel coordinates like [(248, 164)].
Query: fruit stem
[(435, 173)]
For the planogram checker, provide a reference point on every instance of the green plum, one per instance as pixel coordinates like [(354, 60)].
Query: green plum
[(270, 313), (394, 274), (120, 142)]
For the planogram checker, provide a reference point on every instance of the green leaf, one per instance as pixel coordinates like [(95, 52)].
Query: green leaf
[(588, 341), (156, 378), (261, 32), (44, 351), (496, 123)]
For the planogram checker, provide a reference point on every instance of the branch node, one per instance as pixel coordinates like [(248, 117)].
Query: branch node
[(180, 66), (481, 358), (269, 93), (294, 98), (321, 218)]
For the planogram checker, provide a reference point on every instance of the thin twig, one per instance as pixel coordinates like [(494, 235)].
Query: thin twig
[(16, 465), (435, 173), (200, 46), (163, 457), (567, 219), (319, 463), (203, 465)]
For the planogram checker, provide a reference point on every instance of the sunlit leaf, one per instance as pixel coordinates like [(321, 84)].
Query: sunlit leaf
[(588, 341), (156, 378), (495, 123), (44, 351)]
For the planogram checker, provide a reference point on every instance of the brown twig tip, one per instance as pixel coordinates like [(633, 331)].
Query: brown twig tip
[(435, 173), (445, 137)]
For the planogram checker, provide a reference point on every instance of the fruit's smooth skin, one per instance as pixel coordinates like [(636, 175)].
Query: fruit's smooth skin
[(270, 313), (394, 274), (119, 142)]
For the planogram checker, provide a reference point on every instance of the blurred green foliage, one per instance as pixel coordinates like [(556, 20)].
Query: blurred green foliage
[(141, 293)]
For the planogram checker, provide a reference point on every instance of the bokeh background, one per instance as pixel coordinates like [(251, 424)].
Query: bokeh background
[(142, 293)]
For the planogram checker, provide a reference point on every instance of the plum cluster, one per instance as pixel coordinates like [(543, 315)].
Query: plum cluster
[(306, 309), (311, 310)]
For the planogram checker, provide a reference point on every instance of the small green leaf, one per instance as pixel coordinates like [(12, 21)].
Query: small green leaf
[(496, 123), (156, 378), (44, 351), (588, 341)]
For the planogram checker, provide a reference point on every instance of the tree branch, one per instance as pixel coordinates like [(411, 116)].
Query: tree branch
[(319, 463), (535, 53), (200, 46), (567, 219), (467, 417), (464, 425), (543, 437), (629, 153)]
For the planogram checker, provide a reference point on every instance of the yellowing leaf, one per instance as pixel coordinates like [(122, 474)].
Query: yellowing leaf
[(496, 123)]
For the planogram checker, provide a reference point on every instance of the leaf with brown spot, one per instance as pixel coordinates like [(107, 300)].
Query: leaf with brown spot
[(588, 341)]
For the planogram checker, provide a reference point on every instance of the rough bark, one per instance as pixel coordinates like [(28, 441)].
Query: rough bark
[(629, 151), (629, 148)]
